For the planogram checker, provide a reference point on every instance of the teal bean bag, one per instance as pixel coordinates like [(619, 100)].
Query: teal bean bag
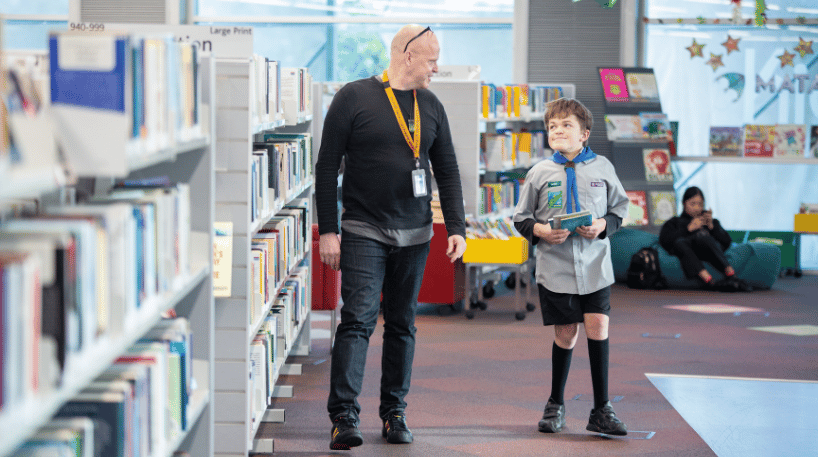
[(758, 264)]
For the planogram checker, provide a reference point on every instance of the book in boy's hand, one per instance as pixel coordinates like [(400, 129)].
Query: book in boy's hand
[(571, 221)]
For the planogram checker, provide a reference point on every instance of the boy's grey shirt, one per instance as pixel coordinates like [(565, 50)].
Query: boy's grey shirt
[(577, 266)]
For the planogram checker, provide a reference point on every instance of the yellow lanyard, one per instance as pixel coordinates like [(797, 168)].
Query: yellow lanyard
[(413, 143)]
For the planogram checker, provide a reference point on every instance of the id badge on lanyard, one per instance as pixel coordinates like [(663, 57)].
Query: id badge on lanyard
[(412, 137), (419, 182)]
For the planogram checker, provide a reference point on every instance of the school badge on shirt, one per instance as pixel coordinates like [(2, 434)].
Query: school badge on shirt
[(555, 199)]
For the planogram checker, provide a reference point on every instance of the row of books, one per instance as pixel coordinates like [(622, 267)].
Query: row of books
[(147, 85), (267, 106), (629, 85), (276, 250), (649, 208), (76, 276), (755, 140), (271, 345), (508, 149), (296, 93), (280, 93), (637, 127), (28, 149), (282, 166), (133, 409), (509, 101), (498, 228), (495, 197)]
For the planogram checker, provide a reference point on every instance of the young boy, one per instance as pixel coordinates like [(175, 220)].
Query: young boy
[(574, 270)]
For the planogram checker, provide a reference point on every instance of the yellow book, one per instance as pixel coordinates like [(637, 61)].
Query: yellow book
[(515, 100), (486, 93)]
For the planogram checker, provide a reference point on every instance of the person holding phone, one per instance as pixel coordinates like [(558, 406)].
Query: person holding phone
[(696, 237)]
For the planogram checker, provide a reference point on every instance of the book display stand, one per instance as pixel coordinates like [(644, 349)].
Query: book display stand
[(641, 151)]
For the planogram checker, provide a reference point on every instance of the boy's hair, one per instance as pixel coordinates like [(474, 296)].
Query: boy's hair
[(564, 107)]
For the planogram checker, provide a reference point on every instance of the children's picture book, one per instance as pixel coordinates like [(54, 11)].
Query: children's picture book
[(642, 87), (725, 141), (571, 221), (613, 84), (759, 140), (637, 208), (813, 141), (624, 127), (790, 140), (662, 206), (655, 125), (657, 165)]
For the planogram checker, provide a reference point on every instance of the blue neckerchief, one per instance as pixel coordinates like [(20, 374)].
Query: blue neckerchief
[(571, 183)]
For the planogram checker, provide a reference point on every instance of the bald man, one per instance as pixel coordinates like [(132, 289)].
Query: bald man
[(388, 129)]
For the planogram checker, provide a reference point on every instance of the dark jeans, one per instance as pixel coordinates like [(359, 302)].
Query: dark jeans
[(699, 246), (369, 268)]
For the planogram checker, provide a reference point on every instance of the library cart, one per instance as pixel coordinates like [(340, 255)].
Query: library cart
[(511, 255)]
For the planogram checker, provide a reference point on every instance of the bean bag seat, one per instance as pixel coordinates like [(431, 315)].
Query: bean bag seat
[(757, 264)]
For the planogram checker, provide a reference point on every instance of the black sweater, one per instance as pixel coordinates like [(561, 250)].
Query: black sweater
[(361, 127), (676, 228)]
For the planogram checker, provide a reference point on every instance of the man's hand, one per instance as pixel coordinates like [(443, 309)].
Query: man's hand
[(551, 236), (329, 247), (456, 247), (592, 231)]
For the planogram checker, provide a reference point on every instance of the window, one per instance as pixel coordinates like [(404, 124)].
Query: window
[(731, 75)]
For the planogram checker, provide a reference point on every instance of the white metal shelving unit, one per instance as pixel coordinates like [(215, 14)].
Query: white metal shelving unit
[(191, 297), (235, 430)]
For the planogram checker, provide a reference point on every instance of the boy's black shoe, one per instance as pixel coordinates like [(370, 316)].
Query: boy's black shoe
[(395, 430), (603, 420), (345, 434), (553, 419)]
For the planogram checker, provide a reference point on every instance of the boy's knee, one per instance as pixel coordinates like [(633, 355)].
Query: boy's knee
[(566, 335)]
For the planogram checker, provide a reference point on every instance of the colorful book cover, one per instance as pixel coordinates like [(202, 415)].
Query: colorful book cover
[(571, 221), (613, 84), (662, 206), (725, 141), (623, 127), (813, 141), (642, 87), (759, 140), (637, 208), (790, 140), (655, 125), (657, 165)]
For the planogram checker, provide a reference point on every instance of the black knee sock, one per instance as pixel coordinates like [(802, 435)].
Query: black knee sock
[(598, 355), (560, 364)]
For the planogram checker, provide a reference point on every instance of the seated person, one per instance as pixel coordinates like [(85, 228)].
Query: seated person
[(695, 237)]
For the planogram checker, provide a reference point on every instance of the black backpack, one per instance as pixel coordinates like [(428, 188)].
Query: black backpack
[(644, 271)]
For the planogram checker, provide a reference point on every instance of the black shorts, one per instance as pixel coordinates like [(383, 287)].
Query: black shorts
[(564, 309)]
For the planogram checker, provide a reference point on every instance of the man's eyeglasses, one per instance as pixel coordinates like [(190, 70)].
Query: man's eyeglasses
[(427, 29)]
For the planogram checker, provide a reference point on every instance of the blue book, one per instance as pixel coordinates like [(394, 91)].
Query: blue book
[(138, 88), (571, 221), (96, 82), (108, 409)]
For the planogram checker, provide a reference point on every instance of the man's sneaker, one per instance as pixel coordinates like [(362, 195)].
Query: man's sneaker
[(553, 419), (345, 434), (603, 420), (395, 430)]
